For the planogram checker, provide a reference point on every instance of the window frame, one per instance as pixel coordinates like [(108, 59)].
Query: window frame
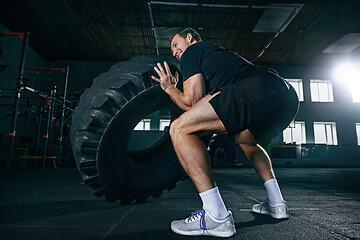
[(143, 125), (293, 133), (315, 92), (163, 121), (330, 133), (357, 129), (299, 89)]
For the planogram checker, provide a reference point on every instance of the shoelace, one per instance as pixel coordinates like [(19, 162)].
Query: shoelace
[(262, 205), (195, 215)]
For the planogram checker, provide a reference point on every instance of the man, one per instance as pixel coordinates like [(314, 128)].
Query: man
[(223, 92)]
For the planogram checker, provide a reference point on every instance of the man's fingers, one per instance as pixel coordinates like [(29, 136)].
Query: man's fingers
[(161, 68), (176, 77), (158, 71), (156, 79), (167, 68)]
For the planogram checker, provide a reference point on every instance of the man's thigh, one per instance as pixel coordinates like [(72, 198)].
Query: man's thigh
[(200, 119)]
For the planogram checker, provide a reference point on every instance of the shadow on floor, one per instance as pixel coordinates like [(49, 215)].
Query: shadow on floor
[(45, 210)]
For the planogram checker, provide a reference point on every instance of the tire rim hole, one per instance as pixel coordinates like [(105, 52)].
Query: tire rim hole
[(149, 130)]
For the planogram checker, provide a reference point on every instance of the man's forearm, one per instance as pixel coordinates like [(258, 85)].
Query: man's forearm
[(178, 98)]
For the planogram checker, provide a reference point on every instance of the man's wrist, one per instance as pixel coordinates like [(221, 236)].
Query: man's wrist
[(169, 89)]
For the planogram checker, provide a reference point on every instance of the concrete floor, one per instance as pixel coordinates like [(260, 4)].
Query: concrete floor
[(55, 204)]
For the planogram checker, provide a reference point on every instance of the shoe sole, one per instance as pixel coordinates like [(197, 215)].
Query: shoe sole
[(204, 233), (213, 233), (276, 216)]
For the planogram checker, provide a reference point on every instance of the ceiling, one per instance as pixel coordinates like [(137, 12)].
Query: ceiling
[(114, 30)]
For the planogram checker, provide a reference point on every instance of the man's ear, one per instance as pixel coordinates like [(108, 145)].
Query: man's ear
[(190, 37)]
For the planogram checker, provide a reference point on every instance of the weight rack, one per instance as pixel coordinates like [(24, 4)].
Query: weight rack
[(20, 86)]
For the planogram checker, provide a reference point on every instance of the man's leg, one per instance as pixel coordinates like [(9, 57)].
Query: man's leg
[(214, 219), (275, 205), (256, 154), (185, 133)]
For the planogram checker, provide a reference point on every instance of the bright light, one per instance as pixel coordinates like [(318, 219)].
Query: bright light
[(348, 74), (356, 91)]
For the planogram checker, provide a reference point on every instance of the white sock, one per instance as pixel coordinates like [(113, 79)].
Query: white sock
[(273, 191), (213, 203)]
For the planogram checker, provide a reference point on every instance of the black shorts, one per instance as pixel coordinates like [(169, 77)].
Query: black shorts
[(265, 104)]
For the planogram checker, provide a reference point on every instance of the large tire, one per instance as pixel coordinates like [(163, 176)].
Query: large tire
[(101, 126)]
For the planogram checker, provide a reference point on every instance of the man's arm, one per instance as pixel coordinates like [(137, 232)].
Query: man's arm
[(194, 88), (193, 92)]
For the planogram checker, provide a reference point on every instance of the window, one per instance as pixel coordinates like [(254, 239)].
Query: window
[(164, 123), (295, 133), (298, 86), (321, 91), (325, 133), (355, 90), (143, 125), (358, 133)]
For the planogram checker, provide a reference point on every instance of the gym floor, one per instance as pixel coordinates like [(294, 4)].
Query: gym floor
[(324, 203)]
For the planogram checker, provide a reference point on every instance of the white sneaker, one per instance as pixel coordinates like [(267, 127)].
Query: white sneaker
[(278, 211), (202, 223)]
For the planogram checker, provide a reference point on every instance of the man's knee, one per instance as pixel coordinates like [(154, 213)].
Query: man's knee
[(180, 126), (246, 138), (174, 127), (247, 143)]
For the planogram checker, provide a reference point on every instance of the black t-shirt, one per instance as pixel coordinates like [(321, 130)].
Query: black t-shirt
[(218, 65)]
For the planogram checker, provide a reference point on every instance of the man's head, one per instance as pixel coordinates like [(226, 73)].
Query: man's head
[(180, 41)]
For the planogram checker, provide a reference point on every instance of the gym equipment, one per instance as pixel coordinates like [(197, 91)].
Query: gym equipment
[(22, 85), (12, 134), (101, 126), (52, 99)]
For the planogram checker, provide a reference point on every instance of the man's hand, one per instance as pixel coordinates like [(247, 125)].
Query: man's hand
[(194, 88), (166, 79)]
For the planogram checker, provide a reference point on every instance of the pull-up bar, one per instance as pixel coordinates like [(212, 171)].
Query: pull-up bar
[(63, 70), (46, 96)]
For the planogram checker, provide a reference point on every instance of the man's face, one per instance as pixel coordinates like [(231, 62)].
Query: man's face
[(179, 45)]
